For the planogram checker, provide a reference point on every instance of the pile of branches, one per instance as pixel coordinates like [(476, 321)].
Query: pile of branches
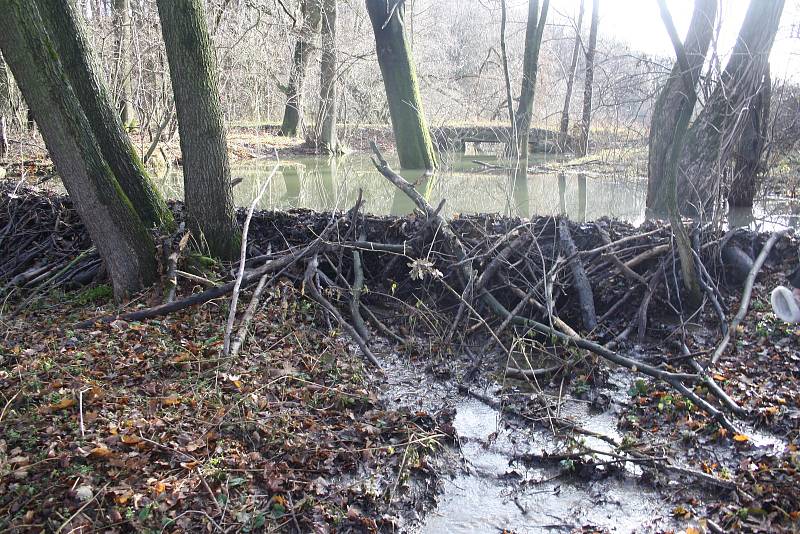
[(590, 286), (43, 243)]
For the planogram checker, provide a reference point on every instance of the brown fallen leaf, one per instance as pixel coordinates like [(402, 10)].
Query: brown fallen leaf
[(172, 400), (63, 404), (130, 439), (100, 452)]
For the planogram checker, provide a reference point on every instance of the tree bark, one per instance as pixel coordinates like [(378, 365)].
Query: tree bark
[(530, 69), (61, 18), (5, 106), (116, 230), (506, 74), (328, 97), (293, 113), (716, 131), (749, 154), (674, 107), (670, 124), (206, 171), (411, 133), (122, 28), (573, 66), (586, 117)]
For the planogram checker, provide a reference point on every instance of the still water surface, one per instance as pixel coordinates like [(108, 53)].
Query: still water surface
[(323, 184)]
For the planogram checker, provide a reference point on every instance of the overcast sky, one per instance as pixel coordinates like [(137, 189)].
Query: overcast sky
[(638, 23)]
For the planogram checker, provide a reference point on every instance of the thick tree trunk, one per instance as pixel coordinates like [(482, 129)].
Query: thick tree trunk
[(116, 230), (668, 136), (530, 69), (5, 106), (122, 27), (586, 117), (716, 131), (411, 132), (73, 49), (206, 172), (573, 66), (673, 108), (293, 113), (749, 154), (328, 97)]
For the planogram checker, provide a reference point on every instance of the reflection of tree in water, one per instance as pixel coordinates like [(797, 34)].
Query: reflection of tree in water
[(322, 184), (320, 181), (520, 195), (291, 179), (581, 198), (402, 203)]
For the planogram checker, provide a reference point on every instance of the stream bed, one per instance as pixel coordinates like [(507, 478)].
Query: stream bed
[(489, 491)]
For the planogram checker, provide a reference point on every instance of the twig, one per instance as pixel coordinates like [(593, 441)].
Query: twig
[(81, 509), (243, 255), (311, 286), (746, 294)]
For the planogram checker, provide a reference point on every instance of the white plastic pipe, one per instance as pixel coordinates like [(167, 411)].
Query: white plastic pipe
[(785, 304)]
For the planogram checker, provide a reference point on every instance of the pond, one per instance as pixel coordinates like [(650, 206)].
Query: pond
[(323, 184)]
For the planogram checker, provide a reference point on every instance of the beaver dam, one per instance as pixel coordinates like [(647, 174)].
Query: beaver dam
[(497, 372)]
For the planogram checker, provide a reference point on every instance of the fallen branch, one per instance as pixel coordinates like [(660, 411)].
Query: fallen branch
[(311, 285), (746, 295)]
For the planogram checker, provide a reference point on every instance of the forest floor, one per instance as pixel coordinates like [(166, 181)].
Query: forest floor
[(145, 427), (134, 426)]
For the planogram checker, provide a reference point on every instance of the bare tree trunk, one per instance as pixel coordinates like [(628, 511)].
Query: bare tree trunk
[(411, 133), (749, 154), (586, 118), (573, 66), (5, 106), (293, 113), (122, 27), (506, 74), (76, 57), (116, 230), (674, 109), (716, 131), (675, 105), (328, 98), (206, 171), (530, 69)]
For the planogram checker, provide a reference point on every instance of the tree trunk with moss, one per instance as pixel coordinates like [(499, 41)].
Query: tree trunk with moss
[(673, 108), (122, 29), (715, 133), (530, 69), (748, 158), (66, 30), (121, 238), (411, 133), (206, 171), (588, 87), (327, 139), (670, 123), (573, 66), (293, 113), (5, 106)]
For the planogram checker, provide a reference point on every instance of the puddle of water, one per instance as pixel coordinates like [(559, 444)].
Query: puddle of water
[(493, 493), (496, 495)]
